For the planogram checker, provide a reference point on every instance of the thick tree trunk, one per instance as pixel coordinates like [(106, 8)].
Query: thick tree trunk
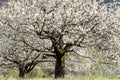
[(60, 62), (60, 68)]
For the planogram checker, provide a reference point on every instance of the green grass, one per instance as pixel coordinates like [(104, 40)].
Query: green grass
[(109, 77)]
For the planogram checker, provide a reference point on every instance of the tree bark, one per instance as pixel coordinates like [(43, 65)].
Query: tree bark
[(60, 64), (21, 73), (59, 68), (25, 68)]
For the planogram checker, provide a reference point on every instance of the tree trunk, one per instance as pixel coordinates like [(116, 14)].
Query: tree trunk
[(21, 72), (60, 65), (26, 68), (59, 69)]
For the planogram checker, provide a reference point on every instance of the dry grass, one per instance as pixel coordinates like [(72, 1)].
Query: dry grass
[(110, 77)]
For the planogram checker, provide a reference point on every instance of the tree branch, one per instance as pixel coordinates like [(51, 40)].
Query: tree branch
[(11, 60)]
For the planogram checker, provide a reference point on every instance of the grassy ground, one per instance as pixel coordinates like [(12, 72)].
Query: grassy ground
[(110, 77)]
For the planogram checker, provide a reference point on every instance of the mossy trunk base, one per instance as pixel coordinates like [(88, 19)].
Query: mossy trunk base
[(59, 69)]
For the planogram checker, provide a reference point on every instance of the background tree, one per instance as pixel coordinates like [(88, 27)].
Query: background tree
[(24, 57), (58, 26)]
